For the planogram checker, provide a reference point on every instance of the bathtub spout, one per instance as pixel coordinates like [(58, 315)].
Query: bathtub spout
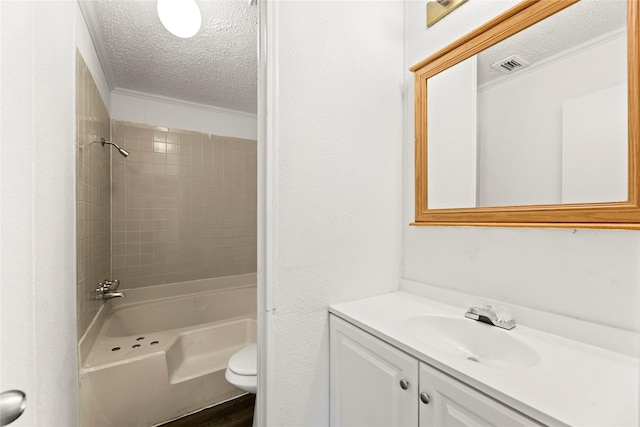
[(109, 295), (107, 290)]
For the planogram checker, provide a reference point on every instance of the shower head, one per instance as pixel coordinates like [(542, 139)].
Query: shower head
[(122, 151)]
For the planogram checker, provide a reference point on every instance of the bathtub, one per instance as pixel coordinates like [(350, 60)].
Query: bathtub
[(161, 352)]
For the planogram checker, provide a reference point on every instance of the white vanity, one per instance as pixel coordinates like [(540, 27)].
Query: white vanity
[(402, 360)]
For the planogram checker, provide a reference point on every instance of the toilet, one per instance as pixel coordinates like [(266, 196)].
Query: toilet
[(242, 371)]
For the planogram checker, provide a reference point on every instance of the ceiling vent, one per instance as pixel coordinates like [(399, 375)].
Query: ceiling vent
[(510, 64)]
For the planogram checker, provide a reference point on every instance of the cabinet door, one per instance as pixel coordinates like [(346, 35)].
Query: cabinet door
[(366, 375), (452, 403)]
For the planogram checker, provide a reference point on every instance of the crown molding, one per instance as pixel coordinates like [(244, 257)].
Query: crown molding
[(90, 18), (180, 102)]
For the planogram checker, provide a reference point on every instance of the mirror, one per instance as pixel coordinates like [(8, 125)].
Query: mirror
[(527, 121)]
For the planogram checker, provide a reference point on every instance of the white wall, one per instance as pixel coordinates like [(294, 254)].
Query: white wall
[(38, 227), (592, 275), (333, 160), (162, 111)]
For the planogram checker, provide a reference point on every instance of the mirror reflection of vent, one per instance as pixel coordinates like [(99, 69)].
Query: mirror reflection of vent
[(510, 64)]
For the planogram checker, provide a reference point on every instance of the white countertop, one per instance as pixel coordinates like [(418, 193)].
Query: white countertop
[(573, 383)]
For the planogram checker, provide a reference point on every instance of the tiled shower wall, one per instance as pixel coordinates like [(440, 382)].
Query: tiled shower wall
[(184, 205), (92, 194)]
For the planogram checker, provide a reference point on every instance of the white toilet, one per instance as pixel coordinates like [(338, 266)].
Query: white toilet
[(242, 371)]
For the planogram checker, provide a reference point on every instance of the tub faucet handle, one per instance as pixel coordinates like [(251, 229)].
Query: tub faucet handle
[(102, 288), (111, 285), (106, 289)]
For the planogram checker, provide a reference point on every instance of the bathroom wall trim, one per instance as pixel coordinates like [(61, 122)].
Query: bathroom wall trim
[(91, 20), (267, 199), (180, 102), (139, 107)]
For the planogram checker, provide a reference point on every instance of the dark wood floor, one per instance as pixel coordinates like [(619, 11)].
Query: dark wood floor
[(234, 413)]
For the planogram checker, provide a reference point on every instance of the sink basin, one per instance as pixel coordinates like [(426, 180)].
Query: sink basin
[(473, 340)]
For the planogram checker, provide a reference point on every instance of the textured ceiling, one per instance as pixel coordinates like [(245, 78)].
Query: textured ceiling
[(217, 67), (568, 28)]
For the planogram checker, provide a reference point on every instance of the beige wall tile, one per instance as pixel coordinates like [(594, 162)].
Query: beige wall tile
[(93, 198), (185, 206)]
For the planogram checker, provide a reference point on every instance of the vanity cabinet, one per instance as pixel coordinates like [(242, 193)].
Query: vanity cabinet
[(453, 403), (372, 383)]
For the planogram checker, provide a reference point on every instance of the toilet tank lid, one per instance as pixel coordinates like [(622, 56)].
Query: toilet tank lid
[(245, 361)]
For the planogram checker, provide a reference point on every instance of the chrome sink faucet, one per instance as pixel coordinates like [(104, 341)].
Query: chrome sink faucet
[(489, 315), (107, 290)]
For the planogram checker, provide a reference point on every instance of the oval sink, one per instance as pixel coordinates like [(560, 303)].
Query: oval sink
[(475, 341)]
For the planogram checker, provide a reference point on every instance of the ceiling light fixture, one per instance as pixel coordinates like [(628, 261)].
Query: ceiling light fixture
[(180, 17)]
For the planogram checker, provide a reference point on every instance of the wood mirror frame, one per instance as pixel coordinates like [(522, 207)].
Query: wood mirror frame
[(625, 215)]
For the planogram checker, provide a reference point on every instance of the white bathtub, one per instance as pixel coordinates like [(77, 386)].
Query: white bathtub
[(161, 351)]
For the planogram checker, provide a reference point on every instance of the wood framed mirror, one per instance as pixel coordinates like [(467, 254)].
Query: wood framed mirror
[(470, 160)]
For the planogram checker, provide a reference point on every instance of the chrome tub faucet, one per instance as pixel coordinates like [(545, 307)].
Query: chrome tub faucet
[(107, 290), (489, 315)]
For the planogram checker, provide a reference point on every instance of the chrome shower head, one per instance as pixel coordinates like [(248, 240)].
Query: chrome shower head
[(122, 151)]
